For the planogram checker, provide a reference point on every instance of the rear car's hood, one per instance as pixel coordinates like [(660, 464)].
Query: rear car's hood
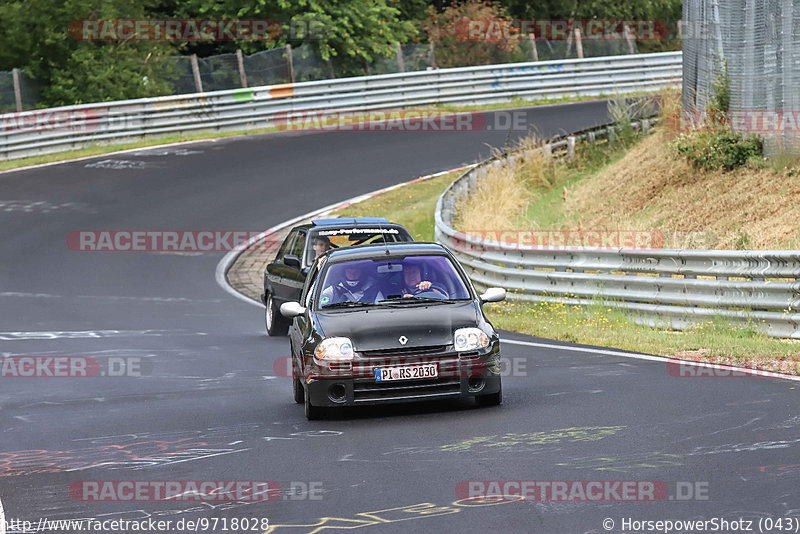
[(382, 328)]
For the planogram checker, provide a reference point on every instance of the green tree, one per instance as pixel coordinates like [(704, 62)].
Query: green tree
[(36, 36), (450, 32)]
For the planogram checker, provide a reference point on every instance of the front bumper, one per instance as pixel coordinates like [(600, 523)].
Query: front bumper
[(459, 377)]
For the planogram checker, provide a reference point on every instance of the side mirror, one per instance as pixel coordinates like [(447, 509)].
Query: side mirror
[(292, 261), (494, 294), (292, 309)]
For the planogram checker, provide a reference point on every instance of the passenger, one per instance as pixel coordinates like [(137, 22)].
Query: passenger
[(414, 284), (321, 245), (356, 287)]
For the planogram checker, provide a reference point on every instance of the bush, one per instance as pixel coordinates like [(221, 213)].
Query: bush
[(717, 149)]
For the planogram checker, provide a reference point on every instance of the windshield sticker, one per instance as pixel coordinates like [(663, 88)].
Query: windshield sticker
[(360, 231)]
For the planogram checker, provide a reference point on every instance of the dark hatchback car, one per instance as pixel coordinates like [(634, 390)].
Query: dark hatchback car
[(385, 324), (285, 275)]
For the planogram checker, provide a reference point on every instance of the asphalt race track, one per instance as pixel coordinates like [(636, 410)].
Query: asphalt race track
[(209, 405)]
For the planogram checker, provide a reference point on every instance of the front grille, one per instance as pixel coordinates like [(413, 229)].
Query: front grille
[(405, 389), (405, 351)]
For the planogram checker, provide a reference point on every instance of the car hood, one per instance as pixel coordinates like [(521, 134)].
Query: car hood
[(381, 328)]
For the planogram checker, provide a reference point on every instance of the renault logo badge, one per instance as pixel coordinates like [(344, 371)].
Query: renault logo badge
[(403, 340)]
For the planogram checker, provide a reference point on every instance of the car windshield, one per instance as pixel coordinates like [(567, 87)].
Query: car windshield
[(330, 238), (391, 281)]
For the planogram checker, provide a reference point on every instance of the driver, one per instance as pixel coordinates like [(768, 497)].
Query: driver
[(356, 287), (414, 284)]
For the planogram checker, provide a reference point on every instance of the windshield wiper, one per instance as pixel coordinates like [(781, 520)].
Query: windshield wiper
[(346, 304), (416, 300)]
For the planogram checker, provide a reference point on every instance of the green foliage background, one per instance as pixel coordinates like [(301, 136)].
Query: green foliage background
[(35, 36)]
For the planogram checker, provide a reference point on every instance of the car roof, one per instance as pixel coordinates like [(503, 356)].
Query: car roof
[(392, 250), (350, 221)]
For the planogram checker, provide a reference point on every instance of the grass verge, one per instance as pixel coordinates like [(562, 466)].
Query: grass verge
[(411, 205)]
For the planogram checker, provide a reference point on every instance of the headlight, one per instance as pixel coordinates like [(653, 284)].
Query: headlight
[(470, 339), (335, 348)]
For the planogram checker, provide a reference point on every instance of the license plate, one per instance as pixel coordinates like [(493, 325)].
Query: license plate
[(406, 372)]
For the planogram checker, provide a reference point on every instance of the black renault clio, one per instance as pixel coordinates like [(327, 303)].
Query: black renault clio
[(397, 323)]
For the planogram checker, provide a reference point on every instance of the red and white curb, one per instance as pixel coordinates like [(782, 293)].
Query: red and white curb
[(229, 258)]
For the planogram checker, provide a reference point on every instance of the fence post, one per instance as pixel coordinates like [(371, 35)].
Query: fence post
[(289, 63), (240, 62), (400, 63), (571, 147), (17, 91), (432, 56), (198, 83), (578, 42), (532, 38), (629, 38)]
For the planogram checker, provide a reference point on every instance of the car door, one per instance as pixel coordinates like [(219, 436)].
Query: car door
[(277, 270), (294, 276)]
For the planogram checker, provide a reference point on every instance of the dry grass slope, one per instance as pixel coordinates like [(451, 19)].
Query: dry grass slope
[(748, 208)]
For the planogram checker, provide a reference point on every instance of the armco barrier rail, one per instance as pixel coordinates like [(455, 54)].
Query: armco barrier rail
[(72, 127), (676, 288)]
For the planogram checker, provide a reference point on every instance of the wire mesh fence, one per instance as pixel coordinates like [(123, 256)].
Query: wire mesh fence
[(26, 97), (189, 74), (757, 43)]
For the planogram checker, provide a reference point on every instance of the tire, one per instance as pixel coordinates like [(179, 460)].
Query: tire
[(276, 324), (312, 412), (298, 390), (492, 399)]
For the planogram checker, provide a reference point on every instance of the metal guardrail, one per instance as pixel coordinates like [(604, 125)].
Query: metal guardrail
[(72, 127), (674, 288)]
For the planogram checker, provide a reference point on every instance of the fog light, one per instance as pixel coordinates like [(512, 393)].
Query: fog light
[(475, 384), (337, 393)]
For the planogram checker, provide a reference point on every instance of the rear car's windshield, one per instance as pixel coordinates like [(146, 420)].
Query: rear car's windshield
[(329, 238), (388, 281)]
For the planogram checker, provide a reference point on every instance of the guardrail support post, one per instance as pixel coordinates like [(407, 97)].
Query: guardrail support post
[(198, 83), (17, 91), (240, 62), (612, 136), (571, 146), (400, 63), (289, 63)]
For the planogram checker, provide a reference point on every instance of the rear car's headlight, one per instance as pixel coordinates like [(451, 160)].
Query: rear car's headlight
[(470, 339), (335, 348)]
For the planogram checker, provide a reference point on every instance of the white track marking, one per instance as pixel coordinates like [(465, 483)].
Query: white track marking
[(648, 357), (2, 519)]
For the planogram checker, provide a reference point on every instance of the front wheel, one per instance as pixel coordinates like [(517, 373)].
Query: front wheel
[(312, 412), (492, 399), (298, 390), (276, 324)]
